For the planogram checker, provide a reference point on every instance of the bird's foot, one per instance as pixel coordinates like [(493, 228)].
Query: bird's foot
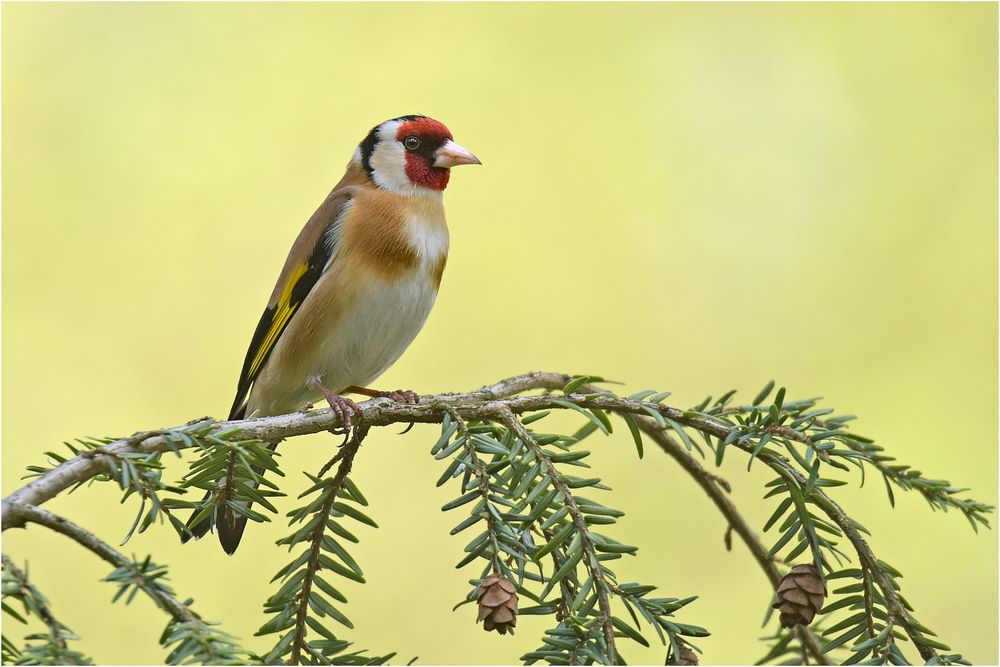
[(404, 396), (343, 408)]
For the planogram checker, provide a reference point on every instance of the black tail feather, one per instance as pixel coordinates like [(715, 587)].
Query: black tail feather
[(230, 526), (228, 523)]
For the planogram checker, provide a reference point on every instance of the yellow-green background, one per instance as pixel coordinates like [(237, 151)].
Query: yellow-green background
[(684, 197)]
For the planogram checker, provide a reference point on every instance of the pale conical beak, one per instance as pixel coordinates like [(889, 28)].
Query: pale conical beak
[(452, 155)]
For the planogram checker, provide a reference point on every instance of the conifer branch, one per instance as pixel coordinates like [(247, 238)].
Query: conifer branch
[(346, 461), (55, 649), (717, 493), (479, 404), (92, 543), (520, 492), (898, 613), (591, 561), (187, 634), (24, 591), (478, 469)]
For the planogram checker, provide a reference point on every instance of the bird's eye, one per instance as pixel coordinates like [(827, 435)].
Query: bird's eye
[(411, 143)]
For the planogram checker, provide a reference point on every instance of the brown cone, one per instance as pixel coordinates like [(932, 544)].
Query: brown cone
[(684, 657), (497, 604), (800, 596)]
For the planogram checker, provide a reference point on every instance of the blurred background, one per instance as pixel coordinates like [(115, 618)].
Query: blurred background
[(693, 197)]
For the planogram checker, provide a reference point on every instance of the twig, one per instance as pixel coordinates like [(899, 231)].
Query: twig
[(86, 539), (591, 561), (483, 484), (346, 456), (480, 404), (376, 412), (44, 613), (710, 484), (933, 493), (739, 525), (897, 612)]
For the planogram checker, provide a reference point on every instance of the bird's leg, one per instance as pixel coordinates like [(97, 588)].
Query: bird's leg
[(340, 406), (404, 396)]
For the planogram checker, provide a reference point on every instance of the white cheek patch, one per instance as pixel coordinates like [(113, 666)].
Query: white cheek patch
[(388, 162)]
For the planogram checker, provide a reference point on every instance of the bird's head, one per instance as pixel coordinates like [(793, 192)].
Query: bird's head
[(411, 155)]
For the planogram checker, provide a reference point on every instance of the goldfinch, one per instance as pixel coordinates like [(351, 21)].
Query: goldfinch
[(357, 286)]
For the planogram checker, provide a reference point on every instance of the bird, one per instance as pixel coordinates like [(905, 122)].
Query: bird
[(356, 288)]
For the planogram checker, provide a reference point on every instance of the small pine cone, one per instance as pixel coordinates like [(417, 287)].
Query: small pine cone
[(800, 596), (497, 604), (683, 657)]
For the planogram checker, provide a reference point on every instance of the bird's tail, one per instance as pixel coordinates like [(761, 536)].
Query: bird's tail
[(229, 524)]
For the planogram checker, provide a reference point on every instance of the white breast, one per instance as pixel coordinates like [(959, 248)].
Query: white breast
[(429, 240), (375, 332)]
